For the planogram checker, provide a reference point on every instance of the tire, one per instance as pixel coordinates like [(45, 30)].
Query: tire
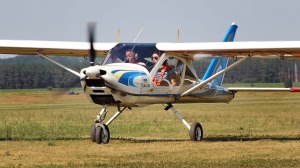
[(98, 136), (105, 135), (196, 132), (102, 135), (93, 132)]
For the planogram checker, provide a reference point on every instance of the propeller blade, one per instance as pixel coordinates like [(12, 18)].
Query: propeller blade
[(91, 31)]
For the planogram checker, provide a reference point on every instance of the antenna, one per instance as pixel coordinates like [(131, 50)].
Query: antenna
[(134, 41), (138, 35), (118, 35), (177, 36)]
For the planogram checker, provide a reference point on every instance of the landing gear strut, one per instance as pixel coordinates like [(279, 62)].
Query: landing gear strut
[(99, 131), (196, 131)]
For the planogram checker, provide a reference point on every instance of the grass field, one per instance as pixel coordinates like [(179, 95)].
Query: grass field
[(41, 128)]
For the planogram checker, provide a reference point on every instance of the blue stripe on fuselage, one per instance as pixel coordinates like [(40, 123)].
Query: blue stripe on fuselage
[(128, 76)]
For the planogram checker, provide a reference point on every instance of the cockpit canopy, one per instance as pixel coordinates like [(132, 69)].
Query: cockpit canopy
[(142, 53)]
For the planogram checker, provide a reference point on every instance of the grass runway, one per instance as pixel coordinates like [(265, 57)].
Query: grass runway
[(40, 128)]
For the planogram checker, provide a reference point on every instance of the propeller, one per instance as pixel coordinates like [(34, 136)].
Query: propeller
[(91, 31), (92, 72)]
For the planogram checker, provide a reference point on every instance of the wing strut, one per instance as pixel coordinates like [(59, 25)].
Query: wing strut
[(59, 64), (214, 76)]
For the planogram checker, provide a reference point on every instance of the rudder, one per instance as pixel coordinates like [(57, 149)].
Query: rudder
[(218, 64)]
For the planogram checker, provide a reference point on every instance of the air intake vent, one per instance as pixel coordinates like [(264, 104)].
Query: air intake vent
[(102, 72), (103, 99), (95, 82), (98, 91)]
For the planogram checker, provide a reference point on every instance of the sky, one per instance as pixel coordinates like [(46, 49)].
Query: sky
[(197, 20)]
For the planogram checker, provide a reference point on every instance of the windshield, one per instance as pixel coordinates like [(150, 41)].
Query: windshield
[(139, 53)]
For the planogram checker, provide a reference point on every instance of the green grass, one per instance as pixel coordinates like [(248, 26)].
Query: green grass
[(53, 129), (53, 116)]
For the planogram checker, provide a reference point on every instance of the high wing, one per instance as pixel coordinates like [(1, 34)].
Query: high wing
[(57, 48), (282, 49)]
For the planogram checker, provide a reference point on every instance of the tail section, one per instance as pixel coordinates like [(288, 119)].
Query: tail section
[(218, 64)]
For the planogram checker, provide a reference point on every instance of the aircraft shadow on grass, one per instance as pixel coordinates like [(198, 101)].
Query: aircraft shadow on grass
[(148, 140), (208, 139)]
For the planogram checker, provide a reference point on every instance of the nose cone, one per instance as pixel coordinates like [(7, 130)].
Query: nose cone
[(92, 72), (97, 76)]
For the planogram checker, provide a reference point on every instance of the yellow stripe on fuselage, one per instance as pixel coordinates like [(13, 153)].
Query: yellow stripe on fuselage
[(117, 75)]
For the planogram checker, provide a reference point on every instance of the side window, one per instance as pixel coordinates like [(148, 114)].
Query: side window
[(189, 77), (169, 73), (113, 58)]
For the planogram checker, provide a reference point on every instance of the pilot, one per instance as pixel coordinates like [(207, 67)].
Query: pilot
[(164, 72), (131, 56)]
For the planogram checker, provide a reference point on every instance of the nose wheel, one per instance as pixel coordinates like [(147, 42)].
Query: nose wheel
[(99, 131), (93, 132), (102, 134)]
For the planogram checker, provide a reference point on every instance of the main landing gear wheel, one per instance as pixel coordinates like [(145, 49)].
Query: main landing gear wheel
[(196, 132), (102, 135)]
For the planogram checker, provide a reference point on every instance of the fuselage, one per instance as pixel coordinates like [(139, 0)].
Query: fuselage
[(131, 84)]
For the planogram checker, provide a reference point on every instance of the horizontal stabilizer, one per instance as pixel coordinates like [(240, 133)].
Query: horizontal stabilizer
[(251, 89)]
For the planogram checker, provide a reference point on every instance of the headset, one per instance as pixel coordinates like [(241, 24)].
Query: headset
[(136, 55)]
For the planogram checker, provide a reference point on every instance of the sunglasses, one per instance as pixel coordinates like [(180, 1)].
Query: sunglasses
[(156, 58)]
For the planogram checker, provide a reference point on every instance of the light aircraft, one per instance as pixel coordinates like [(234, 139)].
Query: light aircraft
[(127, 85)]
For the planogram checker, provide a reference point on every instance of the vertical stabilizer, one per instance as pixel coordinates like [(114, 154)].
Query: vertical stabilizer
[(218, 64)]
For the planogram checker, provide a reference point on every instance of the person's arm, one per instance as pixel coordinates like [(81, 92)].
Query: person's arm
[(173, 82), (172, 78)]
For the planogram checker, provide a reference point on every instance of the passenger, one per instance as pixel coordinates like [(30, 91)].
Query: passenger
[(164, 71), (114, 59)]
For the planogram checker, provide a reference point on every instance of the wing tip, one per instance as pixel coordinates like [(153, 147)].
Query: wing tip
[(295, 90)]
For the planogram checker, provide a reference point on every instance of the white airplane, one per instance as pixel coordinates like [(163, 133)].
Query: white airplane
[(141, 74)]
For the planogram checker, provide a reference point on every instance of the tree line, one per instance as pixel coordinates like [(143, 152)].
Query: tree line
[(27, 72), (257, 70)]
